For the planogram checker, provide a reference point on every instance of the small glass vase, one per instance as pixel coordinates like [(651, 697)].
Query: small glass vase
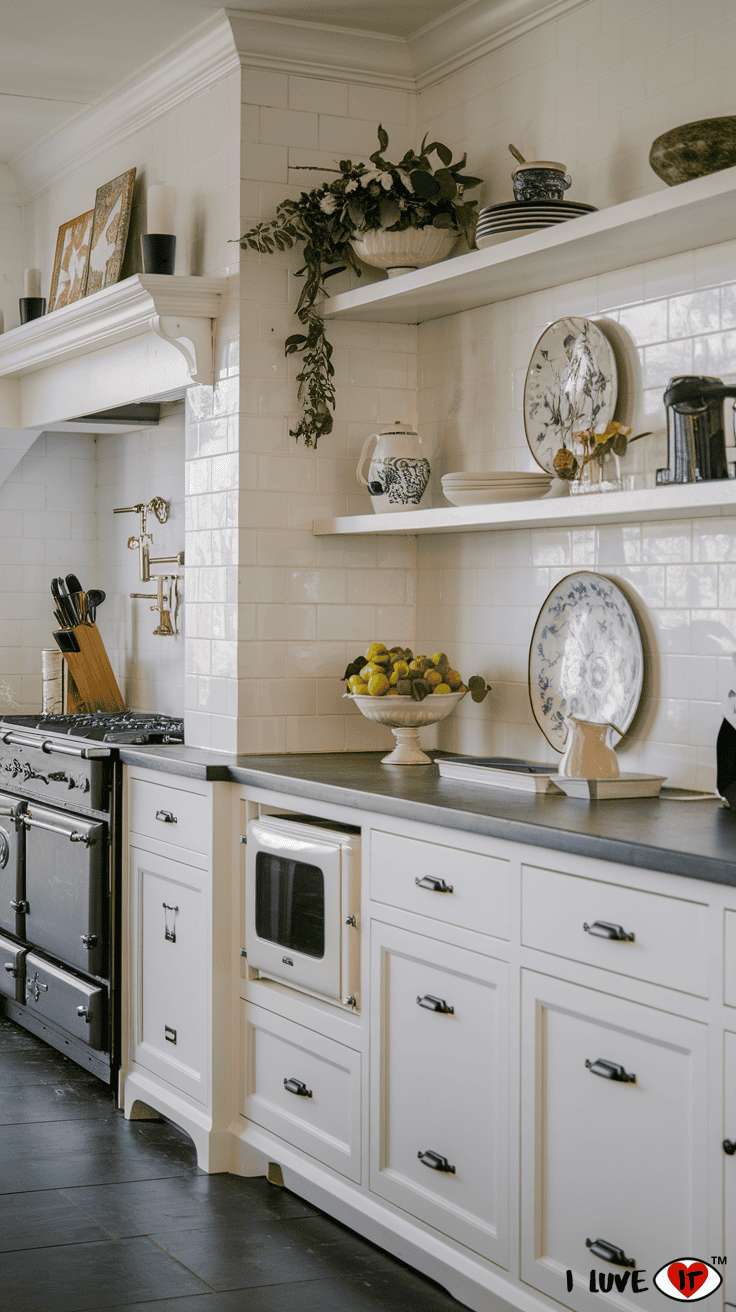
[(597, 476)]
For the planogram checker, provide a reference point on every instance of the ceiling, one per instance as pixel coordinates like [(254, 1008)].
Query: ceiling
[(57, 60)]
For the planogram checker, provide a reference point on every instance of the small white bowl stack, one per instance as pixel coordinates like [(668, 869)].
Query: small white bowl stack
[(469, 488)]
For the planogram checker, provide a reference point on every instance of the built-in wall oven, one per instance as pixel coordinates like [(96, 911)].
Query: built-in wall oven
[(302, 892), (60, 789)]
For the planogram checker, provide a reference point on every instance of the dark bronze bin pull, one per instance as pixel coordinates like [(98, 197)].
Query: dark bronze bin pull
[(609, 1070), (435, 885), (609, 1252), (298, 1087), (435, 1004), (729, 1145), (604, 929), (169, 929), (167, 817), (436, 1162)]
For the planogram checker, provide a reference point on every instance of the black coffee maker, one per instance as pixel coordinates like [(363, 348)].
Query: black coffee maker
[(696, 442)]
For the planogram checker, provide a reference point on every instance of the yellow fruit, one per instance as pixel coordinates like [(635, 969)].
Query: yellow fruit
[(419, 663), (374, 650), (442, 688), (368, 670), (392, 692), (378, 685), (401, 669), (439, 658), (454, 679), (433, 678), (362, 691), (355, 682)]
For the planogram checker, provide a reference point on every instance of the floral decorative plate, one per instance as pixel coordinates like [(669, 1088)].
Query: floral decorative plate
[(586, 657), (571, 385)]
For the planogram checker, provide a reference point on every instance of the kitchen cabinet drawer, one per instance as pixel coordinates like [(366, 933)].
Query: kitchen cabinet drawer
[(670, 941), (729, 1162), (171, 923), (409, 873), (624, 1161), (439, 1044), (170, 815), (56, 995), (303, 1087), (729, 983), (12, 969)]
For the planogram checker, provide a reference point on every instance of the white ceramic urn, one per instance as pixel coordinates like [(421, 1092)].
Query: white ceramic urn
[(398, 472)]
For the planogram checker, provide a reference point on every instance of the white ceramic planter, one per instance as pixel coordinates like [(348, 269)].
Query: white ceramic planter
[(400, 252)]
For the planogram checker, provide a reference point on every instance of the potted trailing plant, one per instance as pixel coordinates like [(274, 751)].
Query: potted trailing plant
[(333, 219)]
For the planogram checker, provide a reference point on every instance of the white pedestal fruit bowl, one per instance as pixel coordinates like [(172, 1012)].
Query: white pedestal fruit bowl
[(405, 718)]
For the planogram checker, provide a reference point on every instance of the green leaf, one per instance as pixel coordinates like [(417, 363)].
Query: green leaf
[(443, 221), (444, 153), (382, 137), (478, 687), (295, 339), (424, 185)]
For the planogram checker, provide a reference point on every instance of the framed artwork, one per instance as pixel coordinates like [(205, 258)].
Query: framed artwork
[(110, 231), (69, 278)]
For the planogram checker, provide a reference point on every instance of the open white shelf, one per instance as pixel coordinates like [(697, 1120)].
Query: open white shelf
[(146, 338), (696, 500), (666, 222)]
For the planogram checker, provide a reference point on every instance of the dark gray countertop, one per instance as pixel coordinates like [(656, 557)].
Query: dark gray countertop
[(697, 839)]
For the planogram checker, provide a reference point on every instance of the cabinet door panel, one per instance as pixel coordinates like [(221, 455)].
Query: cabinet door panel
[(439, 1086), (320, 1110), (171, 919), (605, 1158), (480, 883)]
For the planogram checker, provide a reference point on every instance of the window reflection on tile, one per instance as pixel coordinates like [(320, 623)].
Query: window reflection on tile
[(714, 539), (619, 544), (646, 323), (694, 586), (698, 312), (664, 542)]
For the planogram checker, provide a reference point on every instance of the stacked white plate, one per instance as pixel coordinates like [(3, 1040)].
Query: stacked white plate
[(474, 489), (513, 218)]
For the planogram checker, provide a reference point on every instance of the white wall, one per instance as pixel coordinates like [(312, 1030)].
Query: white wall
[(11, 247), (593, 91)]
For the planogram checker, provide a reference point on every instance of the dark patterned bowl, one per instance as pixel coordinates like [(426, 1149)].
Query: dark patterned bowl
[(695, 149)]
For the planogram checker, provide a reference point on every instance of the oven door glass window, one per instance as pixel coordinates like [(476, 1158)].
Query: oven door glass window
[(290, 904)]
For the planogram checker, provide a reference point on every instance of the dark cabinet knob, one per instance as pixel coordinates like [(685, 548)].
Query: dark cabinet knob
[(298, 1087), (609, 1070), (436, 1162), (609, 1252), (605, 929), (167, 817), (435, 1004), (435, 885), (729, 1145)]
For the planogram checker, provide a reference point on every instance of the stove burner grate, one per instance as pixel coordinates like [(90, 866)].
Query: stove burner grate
[(105, 726)]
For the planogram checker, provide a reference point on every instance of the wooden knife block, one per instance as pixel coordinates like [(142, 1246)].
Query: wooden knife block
[(91, 684)]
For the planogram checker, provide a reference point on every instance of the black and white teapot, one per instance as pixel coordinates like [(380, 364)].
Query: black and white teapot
[(398, 473)]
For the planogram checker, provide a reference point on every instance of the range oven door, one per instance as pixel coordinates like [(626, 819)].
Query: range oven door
[(12, 969), (66, 887), (293, 900), (11, 863), (72, 1004)]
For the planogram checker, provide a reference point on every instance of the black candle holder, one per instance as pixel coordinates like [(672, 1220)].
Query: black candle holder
[(32, 307), (158, 250)]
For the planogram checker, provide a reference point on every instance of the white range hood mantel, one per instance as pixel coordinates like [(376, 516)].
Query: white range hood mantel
[(147, 338)]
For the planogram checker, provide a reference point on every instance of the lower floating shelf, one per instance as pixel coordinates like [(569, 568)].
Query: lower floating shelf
[(695, 500)]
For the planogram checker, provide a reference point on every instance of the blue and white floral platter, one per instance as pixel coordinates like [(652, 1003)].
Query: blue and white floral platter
[(586, 657), (571, 385)]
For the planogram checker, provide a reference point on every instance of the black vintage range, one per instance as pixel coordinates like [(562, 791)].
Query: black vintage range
[(60, 790)]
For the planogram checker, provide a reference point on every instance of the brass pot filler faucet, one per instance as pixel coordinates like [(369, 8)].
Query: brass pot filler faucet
[(166, 598)]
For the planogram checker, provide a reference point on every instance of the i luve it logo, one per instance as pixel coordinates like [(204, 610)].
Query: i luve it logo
[(687, 1278)]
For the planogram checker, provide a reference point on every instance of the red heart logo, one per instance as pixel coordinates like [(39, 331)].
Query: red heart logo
[(687, 1279)]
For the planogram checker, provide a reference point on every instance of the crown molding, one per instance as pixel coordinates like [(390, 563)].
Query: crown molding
[(322, 50), (474, 30), (189, 68)]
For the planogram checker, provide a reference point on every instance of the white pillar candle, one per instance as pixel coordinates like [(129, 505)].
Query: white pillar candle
[(161, 209), (32, 282)]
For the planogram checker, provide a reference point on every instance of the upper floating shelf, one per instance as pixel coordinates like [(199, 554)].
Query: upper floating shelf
[(697, 500), (666, 222), (147, 338)]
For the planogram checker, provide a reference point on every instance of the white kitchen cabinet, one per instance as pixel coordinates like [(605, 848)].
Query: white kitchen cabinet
[(171, 914), (450, 885), (176, 955), (621, 1159), (439, 1096)]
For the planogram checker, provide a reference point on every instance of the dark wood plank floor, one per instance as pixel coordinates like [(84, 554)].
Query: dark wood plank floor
[(98, 1212)]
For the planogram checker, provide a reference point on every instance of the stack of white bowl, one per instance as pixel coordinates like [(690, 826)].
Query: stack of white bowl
[(471, 488)]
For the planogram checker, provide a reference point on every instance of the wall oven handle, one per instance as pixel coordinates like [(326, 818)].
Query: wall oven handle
[(46, 745), (89, 840)]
